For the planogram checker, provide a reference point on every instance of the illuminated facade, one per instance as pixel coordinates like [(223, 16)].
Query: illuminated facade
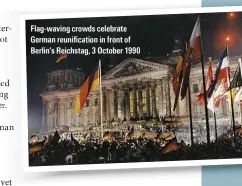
[(134, 89)]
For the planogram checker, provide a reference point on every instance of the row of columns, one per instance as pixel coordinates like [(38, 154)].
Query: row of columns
[(58, 112), (54, 113), (116, 103), (116, 100)]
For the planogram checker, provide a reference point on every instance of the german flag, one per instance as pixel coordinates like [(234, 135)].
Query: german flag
[(91, 83), (107, 136), (170, 146), (61, 57), (35, 148)]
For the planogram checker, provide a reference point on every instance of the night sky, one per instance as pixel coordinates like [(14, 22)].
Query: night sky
[(153, 34)]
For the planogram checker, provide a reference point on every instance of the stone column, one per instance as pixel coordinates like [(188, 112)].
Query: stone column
[(44, 115), (50, 114), (72, 112), (153, 96), (62, 111), (65, 110), (121, 106), (169, 96), (127, 103), (55, 112), (165, 96), (134, 88), (111, 104), (115, 99), (140, 98), (107, 105), (68, 107), (148, 98), (162, 97), (160, 101), (103, 104)]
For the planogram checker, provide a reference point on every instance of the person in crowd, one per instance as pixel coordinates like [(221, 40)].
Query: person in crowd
[(139, 149)]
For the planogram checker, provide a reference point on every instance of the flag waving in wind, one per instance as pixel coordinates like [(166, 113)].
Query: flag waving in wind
[(193, 54), (211, 105), (237, 79), (176, 80), (209, 79), (221, 90), (237, 97), (91, 83), (221, 71), (235, 83), (61, 57)]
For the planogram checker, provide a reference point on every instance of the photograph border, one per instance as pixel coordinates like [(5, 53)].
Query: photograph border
[(108, 166)]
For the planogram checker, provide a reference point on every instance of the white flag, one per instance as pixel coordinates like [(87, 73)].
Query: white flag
[(237, 97), (210, 105)]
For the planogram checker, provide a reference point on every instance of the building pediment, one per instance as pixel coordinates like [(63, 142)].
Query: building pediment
[(132, 67)]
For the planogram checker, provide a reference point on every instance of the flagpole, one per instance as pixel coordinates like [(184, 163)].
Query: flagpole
[(190, 113), (101, 99), (231, 100), (205, 94), (214, 113), (240, 63), (215, 126), (239, 111), (190, 108), (169, 94), (215, 119)]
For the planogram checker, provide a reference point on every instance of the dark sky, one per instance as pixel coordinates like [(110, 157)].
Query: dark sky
[(153, 34)]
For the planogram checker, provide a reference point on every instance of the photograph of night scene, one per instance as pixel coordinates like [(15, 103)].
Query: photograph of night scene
[(157, 88)]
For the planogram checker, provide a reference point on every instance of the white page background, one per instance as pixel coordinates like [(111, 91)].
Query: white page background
[(11, 166)]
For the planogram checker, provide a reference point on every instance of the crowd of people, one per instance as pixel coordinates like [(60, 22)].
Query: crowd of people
[(93, 151)]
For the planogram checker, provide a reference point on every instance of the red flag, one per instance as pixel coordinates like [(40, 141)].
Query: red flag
[(193, 53), (209, 79)]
